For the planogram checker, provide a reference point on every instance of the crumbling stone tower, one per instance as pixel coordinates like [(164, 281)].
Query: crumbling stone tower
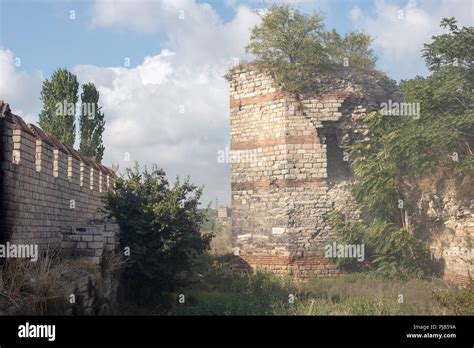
[(289, 169)]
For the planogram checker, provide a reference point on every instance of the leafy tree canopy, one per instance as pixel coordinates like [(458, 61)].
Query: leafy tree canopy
[(59, 96), (294, 45), (438, 137), (91, 123)]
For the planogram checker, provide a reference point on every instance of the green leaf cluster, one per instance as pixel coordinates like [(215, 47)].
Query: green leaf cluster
[(404, 149), (161, 225), (91, 121), (294, 46), (58, 116), (391, 251)]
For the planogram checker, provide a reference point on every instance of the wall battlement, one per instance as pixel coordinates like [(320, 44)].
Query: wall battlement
[(51, 196)]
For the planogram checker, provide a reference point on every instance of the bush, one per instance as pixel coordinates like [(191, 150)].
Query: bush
[(459, 301), (160, 224), (392, 251)]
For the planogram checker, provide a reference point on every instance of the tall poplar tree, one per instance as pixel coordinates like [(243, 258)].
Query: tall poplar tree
[(59, 96), (91, 123)]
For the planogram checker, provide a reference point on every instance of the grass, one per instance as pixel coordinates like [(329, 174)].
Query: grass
[(221, 244), (220, 292), (44, 287)]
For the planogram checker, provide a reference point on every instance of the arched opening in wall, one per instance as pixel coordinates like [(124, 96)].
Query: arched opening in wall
[(338, 168)]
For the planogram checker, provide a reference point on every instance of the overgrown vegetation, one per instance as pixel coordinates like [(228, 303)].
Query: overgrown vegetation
[(44, 287), (160, 227), (295, 46), (392, 251), (404, 148), (219, 291)]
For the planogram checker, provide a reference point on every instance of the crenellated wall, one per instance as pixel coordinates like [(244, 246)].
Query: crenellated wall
[(46, 186), (51, 196)]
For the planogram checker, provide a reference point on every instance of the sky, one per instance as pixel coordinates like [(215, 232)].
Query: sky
[(159, 66)]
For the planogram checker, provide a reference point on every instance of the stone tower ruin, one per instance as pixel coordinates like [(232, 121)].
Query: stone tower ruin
[(289, 168)]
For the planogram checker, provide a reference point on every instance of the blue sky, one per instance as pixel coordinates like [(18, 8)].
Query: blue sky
[(178, 63), (42, 32)]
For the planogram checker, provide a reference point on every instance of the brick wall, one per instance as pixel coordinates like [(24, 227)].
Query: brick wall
[(282, 195), (50, 196), (293, 174), (46, 185), (446, 209)]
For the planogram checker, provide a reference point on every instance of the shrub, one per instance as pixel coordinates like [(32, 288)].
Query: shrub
[(160, 224), (459, 301), (391, 251)]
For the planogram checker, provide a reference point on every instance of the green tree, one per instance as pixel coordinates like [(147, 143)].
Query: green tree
[(91, 123), (438, 138), (293, 46), (161, 225), (353, 49), (451, 49), (59, 98)]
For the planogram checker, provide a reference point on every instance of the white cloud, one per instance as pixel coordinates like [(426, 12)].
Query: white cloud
[(142, 104), (400, 31), (19, 88), (305, 6), (161, 112), (355, 13)]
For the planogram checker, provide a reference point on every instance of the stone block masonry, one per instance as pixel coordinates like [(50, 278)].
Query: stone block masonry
[(51, 196), (91, 239), (282, 197), (46, 186)]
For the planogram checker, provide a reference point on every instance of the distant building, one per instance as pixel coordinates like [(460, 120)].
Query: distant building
[(224, 213)]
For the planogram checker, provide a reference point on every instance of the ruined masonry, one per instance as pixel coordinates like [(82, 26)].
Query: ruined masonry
[(291, 171)]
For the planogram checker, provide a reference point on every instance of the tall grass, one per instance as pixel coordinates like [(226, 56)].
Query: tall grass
[(44, 287), (218, 291)]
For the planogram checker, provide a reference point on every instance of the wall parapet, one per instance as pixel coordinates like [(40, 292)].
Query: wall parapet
[(45, 144), (47, 185)]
